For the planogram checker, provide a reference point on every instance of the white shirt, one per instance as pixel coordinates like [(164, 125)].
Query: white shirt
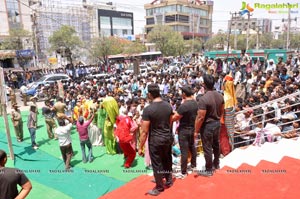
[(23, 89), (64, 134), (237, 77), (271, 67), (272, 129)]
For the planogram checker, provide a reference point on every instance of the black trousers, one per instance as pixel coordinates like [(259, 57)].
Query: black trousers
[(67, 153), (161, 160), (187, 143), (210, 134)]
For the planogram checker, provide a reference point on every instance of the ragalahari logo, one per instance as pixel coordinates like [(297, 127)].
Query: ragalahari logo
[(246, 9)]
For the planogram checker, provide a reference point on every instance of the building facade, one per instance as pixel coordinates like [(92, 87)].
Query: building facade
[(14, 15), (240, 24), (115, 23), (41, 18), (190, 18)]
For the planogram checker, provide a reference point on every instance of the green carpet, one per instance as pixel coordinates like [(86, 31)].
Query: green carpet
[(44, 166)]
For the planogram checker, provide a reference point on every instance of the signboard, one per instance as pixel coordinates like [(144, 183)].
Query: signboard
[(25, 53), (52, 60), (114, 13)]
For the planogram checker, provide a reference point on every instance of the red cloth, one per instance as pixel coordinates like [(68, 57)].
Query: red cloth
[(124, 124), (129, 153), (224, 141)]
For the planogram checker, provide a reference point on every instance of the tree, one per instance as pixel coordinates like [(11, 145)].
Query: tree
[(14, 40), (134, 47), (64, 40), (175, 45), (217, 42), (168, 41), (295, 41), (102, 47), (198, 44)]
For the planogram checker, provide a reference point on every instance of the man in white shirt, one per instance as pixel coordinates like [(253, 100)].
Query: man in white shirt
[(237, 76), (245, 60), (23, 91), (63, 132), (271, 66)]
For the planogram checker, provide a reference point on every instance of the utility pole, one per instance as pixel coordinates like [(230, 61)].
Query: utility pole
[(4, 106), (229, 33), (34, 31), (235, 33), (258, 28), (248, 29), (289, 20), (288, 28), (257, 39)]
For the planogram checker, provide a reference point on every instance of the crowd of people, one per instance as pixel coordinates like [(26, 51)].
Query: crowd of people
[(218, 101)]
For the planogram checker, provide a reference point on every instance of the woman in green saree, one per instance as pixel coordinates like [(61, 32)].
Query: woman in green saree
[(112, 109)]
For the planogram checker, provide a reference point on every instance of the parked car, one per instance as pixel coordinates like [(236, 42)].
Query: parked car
[(174, 67), (47, 79), (143, 69)]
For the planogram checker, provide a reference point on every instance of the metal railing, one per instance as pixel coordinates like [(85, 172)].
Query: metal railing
[(245, 138)]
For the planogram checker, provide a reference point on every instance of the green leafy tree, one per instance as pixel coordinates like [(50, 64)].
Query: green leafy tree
[(218, 41), (160, 35), (102, 47), (134, 47), (295, 41), (175, 45), (198, 43), (14, 40), (64, 40)]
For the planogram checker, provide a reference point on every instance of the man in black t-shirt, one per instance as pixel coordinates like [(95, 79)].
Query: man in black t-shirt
[(10, 178), (210, 110), (156, 122), (186, 113)]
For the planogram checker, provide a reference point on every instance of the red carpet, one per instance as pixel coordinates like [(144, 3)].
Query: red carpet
[(265, 181)]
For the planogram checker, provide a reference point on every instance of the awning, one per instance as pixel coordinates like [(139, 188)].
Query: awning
[(13, 69), (7, 54)]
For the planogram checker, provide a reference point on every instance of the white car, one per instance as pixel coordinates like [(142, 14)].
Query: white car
[(143, 69), (47, 79)]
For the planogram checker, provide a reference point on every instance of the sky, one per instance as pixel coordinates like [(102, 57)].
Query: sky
[(221, 14)]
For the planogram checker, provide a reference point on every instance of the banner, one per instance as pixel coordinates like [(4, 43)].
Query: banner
[(25, 53), (52, 60)]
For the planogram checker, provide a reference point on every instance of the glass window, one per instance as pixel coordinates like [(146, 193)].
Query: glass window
[(149, 21), (104, 20), (149, 12), (13, 14), (183, 28), (170, 18), (121, 22), (182, 18), (204, 22), (105, 32)]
